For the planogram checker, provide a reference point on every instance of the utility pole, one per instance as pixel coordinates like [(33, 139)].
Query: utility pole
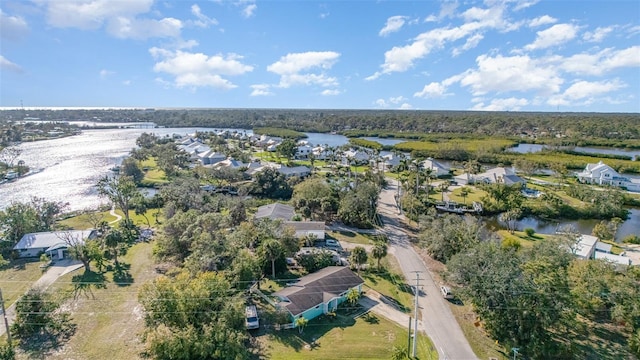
[(409, 339), (4, 315), (515, 352), (415, 325)]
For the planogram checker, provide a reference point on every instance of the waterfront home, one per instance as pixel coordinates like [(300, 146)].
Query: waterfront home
[(499, 175), (391, 161), (54, 244), (589, 247), (437, 169), (303, 151), (355, 157), (318, 293), (603, 174)]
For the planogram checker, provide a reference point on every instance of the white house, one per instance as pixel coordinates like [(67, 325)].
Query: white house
[(358, 157), (588, 247), (54, 244), (303, 151), (304, 228), (493, 176), (603, 174), (211, 157), (437, 168)]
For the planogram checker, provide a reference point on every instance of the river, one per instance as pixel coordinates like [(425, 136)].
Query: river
[(73, 165)]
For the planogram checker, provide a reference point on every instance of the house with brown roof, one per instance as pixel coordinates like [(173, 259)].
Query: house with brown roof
[(318, 293)]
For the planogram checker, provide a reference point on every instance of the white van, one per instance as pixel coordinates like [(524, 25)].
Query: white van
[(446, 292), (251, 314)]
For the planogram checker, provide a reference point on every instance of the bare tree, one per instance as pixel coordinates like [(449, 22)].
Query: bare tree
[(9, 154)]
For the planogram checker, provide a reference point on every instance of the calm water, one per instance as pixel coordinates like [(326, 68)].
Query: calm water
[(73, 165), (532, 148), (631, 226)]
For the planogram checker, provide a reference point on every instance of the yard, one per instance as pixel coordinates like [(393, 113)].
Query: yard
[(105, 310), (17, 278), (341, 337)]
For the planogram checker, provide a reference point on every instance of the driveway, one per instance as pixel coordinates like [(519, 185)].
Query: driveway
[(52, 274), (438, 321)]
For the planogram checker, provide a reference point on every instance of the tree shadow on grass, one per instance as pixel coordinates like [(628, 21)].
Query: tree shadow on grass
[(51, 339), (121, 274), (313, 332), (84, 283)]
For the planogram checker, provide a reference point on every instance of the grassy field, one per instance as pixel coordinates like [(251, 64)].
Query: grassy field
[(17, 278), (367, 337), (525, 241), (488, 145), (106, 309), (351, 237), (85, 221), (474, 194), (389, 282), (481, 344)]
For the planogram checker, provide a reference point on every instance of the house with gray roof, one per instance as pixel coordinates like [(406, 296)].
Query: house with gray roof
[(306, 228), (275, 211), (52, 243), (318, 293)]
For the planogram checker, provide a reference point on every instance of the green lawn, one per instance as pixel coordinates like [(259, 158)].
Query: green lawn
[(106, 310), (389, 282), (86, 221), (367, 337), (351, 237), (474, 194), (17, 278), (481, 344), (524, 240)]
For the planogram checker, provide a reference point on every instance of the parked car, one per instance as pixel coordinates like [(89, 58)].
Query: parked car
[(252, 321), (446, 292), (332, 243)]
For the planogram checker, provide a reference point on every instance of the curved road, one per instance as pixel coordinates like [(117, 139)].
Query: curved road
[(439, 322)]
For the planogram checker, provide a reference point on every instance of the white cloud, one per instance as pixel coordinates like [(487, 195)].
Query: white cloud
[(127, 28), (585, 92), (402, 58), (514, 73), (509, 104), (104, 73), (598, 34), (295, 69), (330, 92), (471, 43), (381, 103), (92, 14), (7, 65), (195, 70), (261, 90), (599, 63), (542, 20), (397, 99), (249, 10), (393, 24), (432, 90), (203, 20), (556, 35), (405, 106), (120, 17), (447, 10), (12, 27), (525, 4)]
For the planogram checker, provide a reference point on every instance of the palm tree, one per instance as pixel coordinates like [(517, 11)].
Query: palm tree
[(271, 249), (379, 251), (444, 186), (358, 256), (464, 191)]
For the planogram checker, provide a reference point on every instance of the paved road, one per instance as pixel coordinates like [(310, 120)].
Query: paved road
[(52, 274), (439, 322)]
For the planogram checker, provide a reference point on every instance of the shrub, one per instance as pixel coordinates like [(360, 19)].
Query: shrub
[(529, 231), (511, 243), (631, 239)]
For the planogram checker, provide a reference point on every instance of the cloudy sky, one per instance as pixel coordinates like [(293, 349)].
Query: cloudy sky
[(511, 55)]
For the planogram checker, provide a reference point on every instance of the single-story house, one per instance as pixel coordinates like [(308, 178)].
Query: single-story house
[(588, 247), (355, 157), (304, 228), (299, 171), (275, 211), (437, 169), (211, 157), (603, 174), (493, 176), (54, 243), (318, 293)]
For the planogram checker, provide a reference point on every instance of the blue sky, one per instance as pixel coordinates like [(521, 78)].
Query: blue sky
[(503, 55)]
